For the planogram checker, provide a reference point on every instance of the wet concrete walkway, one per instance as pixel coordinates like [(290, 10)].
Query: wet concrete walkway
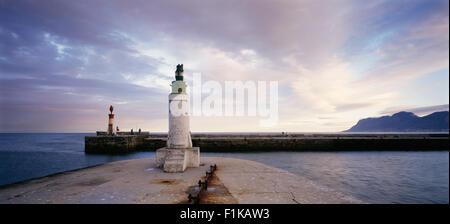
[(139, 181)]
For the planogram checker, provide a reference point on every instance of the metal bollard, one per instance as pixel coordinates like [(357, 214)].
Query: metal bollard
[(202, 185)]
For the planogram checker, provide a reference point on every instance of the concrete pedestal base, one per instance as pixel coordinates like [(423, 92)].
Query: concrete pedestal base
[(177, 160)]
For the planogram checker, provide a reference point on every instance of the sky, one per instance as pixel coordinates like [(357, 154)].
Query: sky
[(62, 63)]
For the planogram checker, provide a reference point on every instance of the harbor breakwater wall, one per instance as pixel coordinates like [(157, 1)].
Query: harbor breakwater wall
[(125, 143)]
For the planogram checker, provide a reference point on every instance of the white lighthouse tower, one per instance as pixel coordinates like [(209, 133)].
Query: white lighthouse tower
[(179, 135), (179, 153)]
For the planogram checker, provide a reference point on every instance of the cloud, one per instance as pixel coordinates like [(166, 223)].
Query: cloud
[(343, 59), (331, 88), (416, 110), (55, 103), (415, 52)]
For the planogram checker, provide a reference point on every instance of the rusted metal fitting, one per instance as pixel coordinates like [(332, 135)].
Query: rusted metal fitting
[(202, 185), (193, 199)]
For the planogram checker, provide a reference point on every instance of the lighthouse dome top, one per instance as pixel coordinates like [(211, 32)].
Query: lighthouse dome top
[(179, 72), (179, 68)]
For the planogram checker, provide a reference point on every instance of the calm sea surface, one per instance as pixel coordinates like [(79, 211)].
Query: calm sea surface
[(376, 177)]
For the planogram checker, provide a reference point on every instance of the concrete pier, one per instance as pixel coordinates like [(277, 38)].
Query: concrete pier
[(238, 142), (140, 181)]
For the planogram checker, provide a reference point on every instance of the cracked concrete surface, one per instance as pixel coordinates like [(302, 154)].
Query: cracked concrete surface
[(251, 182), (139, 181)]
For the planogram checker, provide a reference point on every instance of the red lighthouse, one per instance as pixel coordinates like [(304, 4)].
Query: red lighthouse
[(111, 121)]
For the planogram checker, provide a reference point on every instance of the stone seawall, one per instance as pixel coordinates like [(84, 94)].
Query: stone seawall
[(236, 145), (120, 144), (272, 142)]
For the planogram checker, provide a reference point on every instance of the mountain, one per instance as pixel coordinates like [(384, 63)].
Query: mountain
[(404, 122)]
